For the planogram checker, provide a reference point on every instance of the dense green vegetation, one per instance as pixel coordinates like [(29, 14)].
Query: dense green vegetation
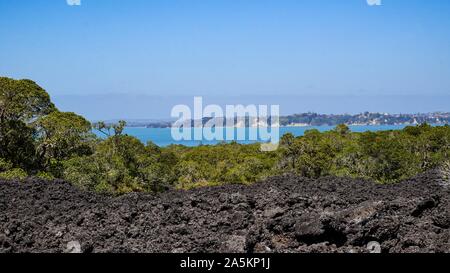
[(36, 139)]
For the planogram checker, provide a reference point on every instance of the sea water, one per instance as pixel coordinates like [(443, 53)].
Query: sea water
[(163, 136)]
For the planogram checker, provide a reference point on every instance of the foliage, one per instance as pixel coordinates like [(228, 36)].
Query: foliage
[(122, 164), (106, 129), (388, 156), (222, 164), (17, 143), (5, 165), (45, 176), (13, 174), (61, 136), (22, 102), (38, 140)]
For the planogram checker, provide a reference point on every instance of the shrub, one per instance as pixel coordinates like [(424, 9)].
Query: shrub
[(14, 174)]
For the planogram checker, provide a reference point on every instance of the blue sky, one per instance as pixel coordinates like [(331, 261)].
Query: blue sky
[(164, 52)]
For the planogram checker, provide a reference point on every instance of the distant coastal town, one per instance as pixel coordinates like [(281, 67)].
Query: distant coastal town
[(315, 119)]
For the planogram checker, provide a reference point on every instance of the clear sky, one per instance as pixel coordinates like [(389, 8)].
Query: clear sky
[(285, 50)]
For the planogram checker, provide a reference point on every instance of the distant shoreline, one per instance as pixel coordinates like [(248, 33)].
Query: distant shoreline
[(297, 126), (314, 119)]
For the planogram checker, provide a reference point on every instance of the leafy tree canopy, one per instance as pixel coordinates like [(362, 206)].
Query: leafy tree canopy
[(23, 100)]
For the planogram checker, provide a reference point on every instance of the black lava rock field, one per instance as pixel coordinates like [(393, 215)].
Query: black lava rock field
[(286, 214)]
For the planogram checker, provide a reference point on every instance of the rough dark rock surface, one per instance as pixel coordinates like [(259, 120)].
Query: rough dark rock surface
[(282, 214)]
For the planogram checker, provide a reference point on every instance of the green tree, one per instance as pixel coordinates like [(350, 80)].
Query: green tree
[(122, 164), (22, 102), (61, 135), (290, 151), (106, 129), (342, 129)]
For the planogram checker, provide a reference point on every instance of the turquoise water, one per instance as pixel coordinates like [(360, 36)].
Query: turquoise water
[(163, 137)]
